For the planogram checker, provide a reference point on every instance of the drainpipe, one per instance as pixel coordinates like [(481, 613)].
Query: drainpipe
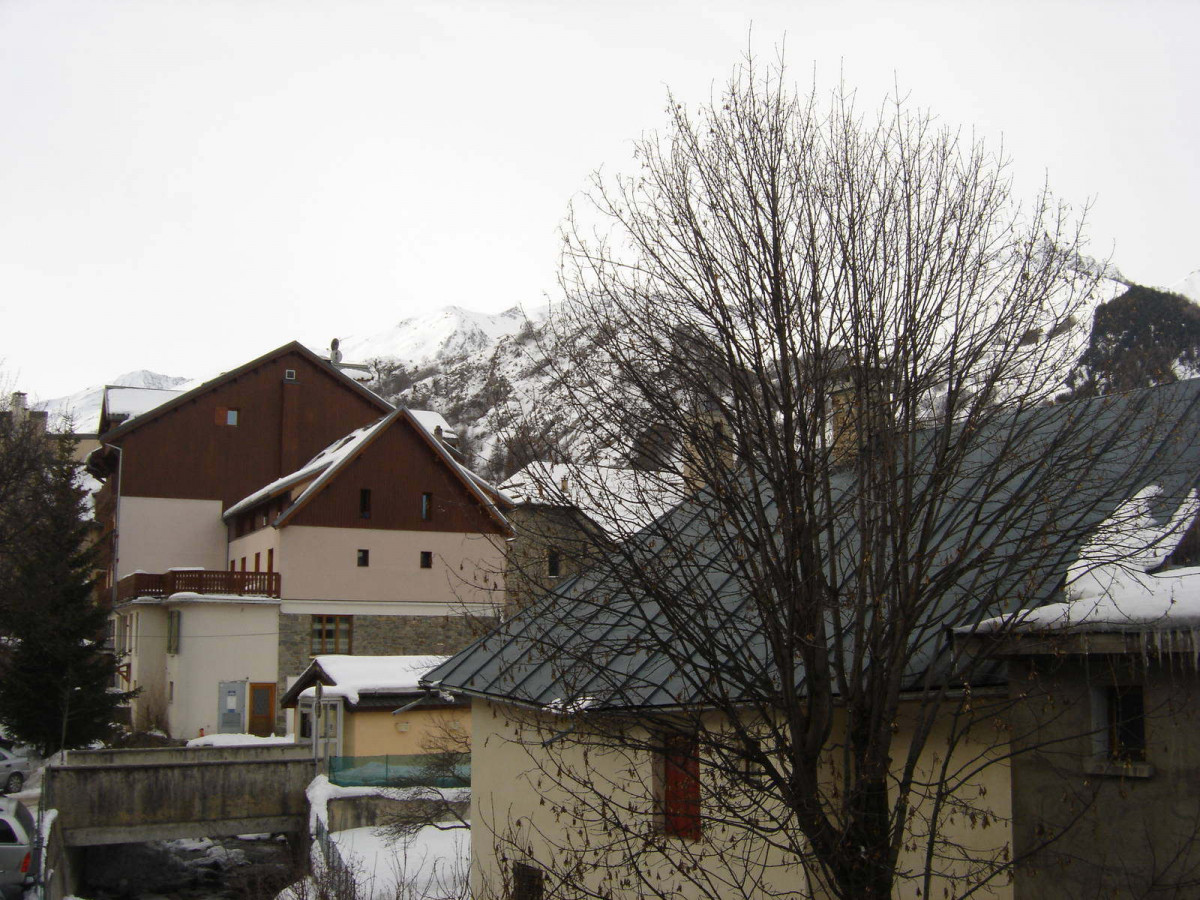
[(117, 520), (316, 726)]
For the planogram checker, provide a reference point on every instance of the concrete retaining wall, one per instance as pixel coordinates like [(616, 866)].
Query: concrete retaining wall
[(100, 804), (372, 811)]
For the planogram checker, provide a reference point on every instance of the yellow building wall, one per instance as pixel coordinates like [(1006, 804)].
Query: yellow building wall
[(378, 732), (520, 808)]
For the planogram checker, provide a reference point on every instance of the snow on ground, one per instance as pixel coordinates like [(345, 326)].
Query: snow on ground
[(238, 740), (433, 864)]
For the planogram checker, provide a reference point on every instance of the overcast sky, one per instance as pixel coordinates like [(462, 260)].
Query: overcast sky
[(185, 184)]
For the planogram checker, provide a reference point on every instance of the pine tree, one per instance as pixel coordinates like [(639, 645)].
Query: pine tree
[(55, 674)]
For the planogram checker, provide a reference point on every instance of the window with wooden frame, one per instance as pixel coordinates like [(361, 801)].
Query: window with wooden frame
[(270, 559), (680, 786), (226, 415), (332, 634), (427, 507), (364, 503), (529, 882)]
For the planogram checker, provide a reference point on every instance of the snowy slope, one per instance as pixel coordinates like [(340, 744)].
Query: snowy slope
[(1189, 286), (446, 333)]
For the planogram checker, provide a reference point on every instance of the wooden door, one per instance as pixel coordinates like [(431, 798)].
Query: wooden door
[(262, 709)]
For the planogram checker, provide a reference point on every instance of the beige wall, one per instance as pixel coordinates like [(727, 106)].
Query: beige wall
[(219, 641), (155, 534), (517, 802), (378, 732), (320, 563), (259, 542)]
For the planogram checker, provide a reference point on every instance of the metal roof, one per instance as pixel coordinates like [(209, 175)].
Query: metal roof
[(602, 641)]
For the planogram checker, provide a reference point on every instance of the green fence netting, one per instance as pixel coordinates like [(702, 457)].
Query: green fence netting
[(414, 770)]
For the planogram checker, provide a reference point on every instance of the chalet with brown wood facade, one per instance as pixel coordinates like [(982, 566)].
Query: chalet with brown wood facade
[(275, 513)]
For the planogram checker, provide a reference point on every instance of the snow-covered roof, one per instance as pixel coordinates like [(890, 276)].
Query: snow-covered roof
[(316, 470), (1115, 584), (356, 675), (319, 470), (133, 401), (619, 500), (431, 421)]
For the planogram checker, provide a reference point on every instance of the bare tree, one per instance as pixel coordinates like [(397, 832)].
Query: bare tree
[(843, 333)]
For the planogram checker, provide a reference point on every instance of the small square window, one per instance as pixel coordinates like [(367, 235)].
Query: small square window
[(426, 507), (289, 374), (364, 558), (426, 559)]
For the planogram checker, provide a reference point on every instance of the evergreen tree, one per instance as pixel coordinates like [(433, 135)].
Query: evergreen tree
[(55, 674)]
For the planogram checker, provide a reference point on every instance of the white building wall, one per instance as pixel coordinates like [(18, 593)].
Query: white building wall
[(218, 641)]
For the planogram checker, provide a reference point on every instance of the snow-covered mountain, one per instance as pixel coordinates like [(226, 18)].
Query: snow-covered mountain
[(448, 333), (471, 367), (82, 408)]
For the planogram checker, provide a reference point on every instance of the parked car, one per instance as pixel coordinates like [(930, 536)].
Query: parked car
[(15, 767), (18, 865)]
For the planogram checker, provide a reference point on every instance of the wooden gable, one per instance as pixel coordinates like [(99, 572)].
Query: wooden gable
[(399, 468), (242, 430)]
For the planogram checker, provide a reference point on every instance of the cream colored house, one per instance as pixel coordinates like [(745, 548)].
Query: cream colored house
[(668, 723)]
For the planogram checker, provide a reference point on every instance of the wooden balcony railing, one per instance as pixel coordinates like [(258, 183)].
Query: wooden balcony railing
[(199, 581)]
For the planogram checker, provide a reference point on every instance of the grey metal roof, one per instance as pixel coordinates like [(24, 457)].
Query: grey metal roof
[(600, 643)]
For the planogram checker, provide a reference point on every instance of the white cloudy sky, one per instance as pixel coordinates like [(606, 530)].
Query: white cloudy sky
[(185, 184)]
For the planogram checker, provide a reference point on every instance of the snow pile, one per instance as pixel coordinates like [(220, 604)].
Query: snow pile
[(238, 740), (373, 674), (1110, 586)]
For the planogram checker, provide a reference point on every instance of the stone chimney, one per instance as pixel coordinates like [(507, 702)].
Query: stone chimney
[(851, 385), (706, 444)]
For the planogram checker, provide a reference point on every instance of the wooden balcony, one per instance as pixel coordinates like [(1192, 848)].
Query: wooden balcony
[(199, 581)]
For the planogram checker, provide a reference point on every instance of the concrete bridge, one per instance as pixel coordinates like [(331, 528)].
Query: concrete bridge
[(129, 796)]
